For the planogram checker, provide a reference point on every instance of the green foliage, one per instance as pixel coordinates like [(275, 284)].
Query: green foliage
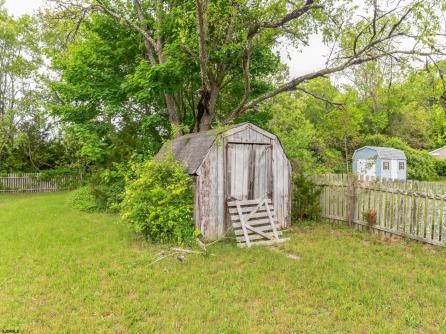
[(158, 201), (305, 196), (64, 177), (27, 142), (409, 115), (106, 102), (108, 186), (296, 133), (83, 199), (106, 117), (57, 172), (440, 167)]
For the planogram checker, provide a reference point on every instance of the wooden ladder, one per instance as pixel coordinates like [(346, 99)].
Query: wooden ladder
[(254, 222)]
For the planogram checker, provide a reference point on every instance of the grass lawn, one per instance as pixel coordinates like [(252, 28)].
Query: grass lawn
[(66, 271)]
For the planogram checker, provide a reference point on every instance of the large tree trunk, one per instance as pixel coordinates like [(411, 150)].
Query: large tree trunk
[(155, 54), (206, 108), (171, 109), (203, 112)]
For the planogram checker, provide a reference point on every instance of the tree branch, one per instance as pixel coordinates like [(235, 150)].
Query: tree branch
[(291, 85), (146, 36), (295, 14), (320, 97), (253, 31), (201, 6)]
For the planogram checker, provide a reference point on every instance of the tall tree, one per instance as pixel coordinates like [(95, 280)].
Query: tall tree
[(26, 141), (221, 39)]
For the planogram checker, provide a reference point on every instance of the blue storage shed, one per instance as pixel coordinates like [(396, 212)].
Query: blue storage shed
[(380, 162)]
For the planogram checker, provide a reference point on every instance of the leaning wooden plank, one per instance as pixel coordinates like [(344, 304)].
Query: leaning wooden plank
[(271, 220), (258, 231), (254, 216), (246, 209), (264, 243), (254, 223), (247, 202), (243, 226), (253, 211), (262, 226), (267, 229)]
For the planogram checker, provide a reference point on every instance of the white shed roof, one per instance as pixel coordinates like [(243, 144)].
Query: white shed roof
[(435, 152), (386, 152)]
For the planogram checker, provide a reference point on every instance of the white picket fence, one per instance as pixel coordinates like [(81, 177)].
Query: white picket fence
[(32, 182), (411, 209)]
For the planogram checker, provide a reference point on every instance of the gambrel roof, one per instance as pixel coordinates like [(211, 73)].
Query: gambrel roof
[(190, 148), (193, 148), (387, 153)]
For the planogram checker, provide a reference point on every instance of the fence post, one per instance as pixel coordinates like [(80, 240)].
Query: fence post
[(352, 198)]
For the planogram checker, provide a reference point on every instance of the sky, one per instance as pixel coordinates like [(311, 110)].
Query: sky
[(310, 59)]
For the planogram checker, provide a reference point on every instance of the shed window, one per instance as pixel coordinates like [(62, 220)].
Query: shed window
[(386, 165), (401, 165)]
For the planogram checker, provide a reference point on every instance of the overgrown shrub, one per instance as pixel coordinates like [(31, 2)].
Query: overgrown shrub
[(108, 186), (305, 196), (440, 167), (158, 201), (83, 199)]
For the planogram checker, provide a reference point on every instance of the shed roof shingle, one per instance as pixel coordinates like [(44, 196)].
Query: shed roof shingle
[(387, 152), (191, 149)]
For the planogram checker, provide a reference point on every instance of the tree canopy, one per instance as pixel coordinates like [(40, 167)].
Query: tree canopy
[(94, 84)]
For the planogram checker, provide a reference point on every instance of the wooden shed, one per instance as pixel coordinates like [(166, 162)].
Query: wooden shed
[(380, 162), (244, 162)]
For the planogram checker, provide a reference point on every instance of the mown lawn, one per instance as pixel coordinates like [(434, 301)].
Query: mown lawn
[(66, 271)]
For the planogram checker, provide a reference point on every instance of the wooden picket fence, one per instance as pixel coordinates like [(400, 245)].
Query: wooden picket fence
[(412, 209), (32, 182)]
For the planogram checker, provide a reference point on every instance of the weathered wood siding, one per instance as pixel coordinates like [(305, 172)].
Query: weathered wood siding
[(222, 175), (210, 204), (281, 185)]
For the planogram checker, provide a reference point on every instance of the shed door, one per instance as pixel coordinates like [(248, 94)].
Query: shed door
[(249, 171), (367, 167), (394, 169)]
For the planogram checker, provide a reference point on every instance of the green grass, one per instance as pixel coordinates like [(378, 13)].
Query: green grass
[(66, 271)]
